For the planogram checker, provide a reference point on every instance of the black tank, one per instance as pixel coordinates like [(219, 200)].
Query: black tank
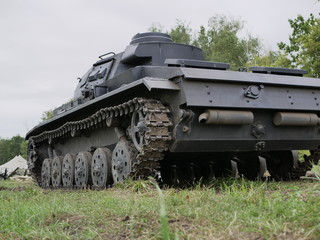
[(159, 109)]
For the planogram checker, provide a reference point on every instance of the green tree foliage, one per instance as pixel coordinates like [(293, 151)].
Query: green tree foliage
[(23, 149), (220, 40), (4, 151), (271, 59), (155, 27), (181, 33), (11, 148), (47, 115), (303, 48)]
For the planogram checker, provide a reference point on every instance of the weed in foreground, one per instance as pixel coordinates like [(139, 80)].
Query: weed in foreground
[(316, 170), (138, 185)]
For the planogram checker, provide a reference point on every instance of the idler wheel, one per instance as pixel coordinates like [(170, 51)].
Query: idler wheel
[(123, 157), (46, 173), (138, 129), (82, 169), (68, 170), (101, 167), (56, 171)]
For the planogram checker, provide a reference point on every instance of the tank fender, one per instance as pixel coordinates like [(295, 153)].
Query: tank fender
[(159, 83)]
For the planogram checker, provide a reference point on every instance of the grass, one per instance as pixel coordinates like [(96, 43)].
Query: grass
[(316, 170), (301, 154), (227, 209)]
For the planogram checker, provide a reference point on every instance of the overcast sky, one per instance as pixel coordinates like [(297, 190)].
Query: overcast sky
[(45, 45)]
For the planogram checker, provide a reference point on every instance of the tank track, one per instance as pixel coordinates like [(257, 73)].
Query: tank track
[(157, 134), (157, 137)]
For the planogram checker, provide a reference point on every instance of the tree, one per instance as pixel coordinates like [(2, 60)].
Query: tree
[(155, 27), (181, 33), (220, 41), (303, 48), (11, 148), (23, 149), (271, 59), (4, 152), (47, 115)]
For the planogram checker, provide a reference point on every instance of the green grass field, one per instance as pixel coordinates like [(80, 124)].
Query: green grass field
[(227, 209)]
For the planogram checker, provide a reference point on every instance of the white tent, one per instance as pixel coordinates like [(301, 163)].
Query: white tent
[(13, 164)]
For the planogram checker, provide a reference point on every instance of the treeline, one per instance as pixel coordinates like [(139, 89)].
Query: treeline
[(9, 148), (226, 40)]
